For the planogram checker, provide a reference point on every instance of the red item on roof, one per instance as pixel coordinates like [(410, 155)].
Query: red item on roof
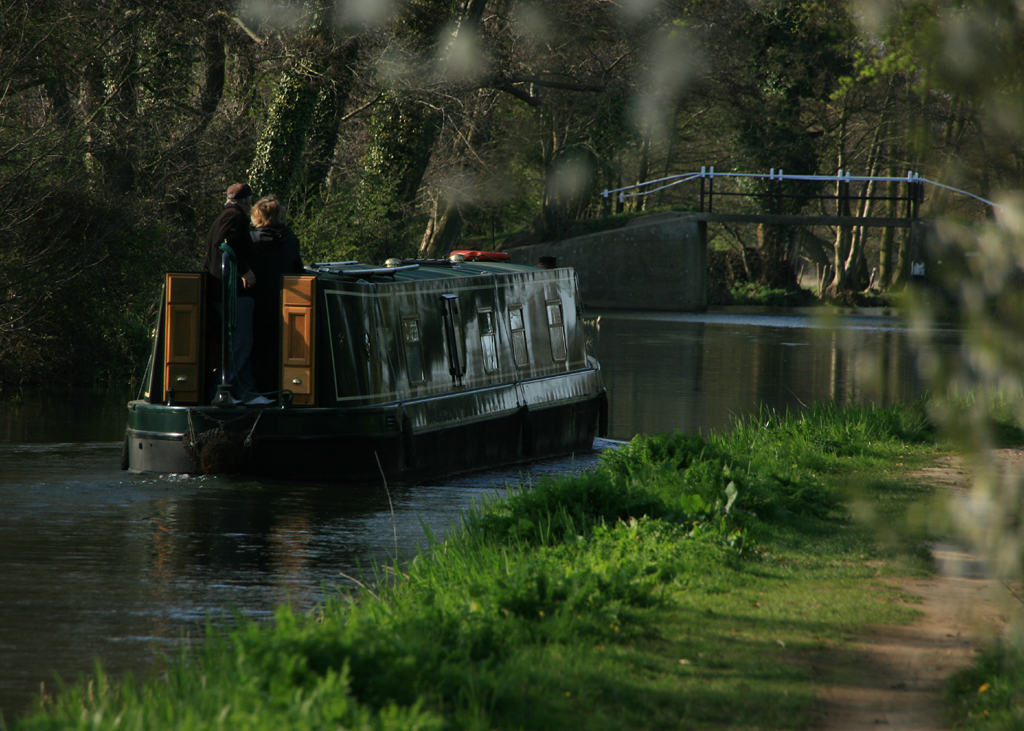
[(483, 255)]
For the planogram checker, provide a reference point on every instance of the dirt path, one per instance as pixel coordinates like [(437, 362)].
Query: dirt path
[(893, 677)]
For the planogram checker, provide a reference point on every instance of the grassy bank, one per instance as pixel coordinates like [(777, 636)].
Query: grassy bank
[(688, 582)]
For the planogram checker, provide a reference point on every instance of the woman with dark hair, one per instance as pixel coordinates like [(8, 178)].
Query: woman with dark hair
[(275, 253)]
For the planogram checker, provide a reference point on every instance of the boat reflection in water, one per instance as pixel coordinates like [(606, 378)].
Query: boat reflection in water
[(411, 370)]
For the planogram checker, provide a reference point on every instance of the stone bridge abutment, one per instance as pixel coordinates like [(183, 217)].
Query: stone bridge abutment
[(660, 262)]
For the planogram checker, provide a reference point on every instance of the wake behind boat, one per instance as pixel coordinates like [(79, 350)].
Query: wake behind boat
[(407, 371)]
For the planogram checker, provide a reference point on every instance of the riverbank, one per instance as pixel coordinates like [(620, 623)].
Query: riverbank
[(686, 581)]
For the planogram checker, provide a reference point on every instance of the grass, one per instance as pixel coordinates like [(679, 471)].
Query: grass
[(989, 695), (752, 293), (686, 583)]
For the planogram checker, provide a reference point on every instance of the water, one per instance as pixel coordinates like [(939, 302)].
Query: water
[(702, 371), (98, 564)]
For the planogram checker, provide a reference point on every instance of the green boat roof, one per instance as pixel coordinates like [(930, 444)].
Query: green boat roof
[(417, 270)]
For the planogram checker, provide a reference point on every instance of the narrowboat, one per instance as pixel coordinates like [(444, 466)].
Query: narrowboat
[(401, 372)]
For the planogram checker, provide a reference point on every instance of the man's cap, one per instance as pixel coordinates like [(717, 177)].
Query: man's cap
[(239, 191)]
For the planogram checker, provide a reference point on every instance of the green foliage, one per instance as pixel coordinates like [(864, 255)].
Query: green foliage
[(987, 696), (402, 133), (100, 167), (324, 131), (677, 465), (754, 293), (896, 57), (147, 113), (278, 157), (422, 22), (80, 311), (801, 45), (338, 227), (555, 510)]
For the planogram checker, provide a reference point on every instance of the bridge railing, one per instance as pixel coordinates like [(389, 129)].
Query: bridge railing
[(910, 193)]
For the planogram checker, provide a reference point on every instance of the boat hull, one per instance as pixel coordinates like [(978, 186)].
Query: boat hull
[(402, 442)]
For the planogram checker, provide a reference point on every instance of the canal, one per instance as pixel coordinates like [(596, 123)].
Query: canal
[(96, 564)]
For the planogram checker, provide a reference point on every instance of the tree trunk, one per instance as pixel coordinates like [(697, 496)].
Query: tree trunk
[(123, 158), (111, 113), (902, 271), (643, 173), (814, 248), (323, 136), (280, 148), (774, 243), (844, 234), (214, 63), (403, 134), (856, 266), (443, 231), (885, 258)]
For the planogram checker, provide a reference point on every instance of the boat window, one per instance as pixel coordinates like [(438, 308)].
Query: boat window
[(413, 349), (556, 329), (517, 325), (488, 348)]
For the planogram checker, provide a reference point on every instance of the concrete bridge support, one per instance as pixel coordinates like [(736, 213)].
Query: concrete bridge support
[(658, 262)]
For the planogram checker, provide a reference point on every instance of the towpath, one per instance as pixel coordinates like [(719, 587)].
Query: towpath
[(894, 676)]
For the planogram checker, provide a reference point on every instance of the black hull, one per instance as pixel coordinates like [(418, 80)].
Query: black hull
[(400, 442)]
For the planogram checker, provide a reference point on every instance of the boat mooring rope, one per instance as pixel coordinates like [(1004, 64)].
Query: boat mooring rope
[(248, 437)]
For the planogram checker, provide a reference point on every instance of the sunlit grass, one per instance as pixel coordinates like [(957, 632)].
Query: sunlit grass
[(989, 695), (752, 293)]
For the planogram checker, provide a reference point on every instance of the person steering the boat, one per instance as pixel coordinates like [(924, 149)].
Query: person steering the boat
[(232, 226)]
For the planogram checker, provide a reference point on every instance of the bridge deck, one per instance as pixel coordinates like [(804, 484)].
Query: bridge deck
[(786, 220)]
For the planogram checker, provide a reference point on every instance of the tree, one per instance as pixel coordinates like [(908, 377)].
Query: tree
[(296, 143), (869, 115), (104, 126), (776, 64)]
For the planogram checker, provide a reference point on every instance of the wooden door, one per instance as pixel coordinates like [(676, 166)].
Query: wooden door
[(298, 332), (183, 337)]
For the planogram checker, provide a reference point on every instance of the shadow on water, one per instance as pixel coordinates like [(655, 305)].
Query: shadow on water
[(63, 415)]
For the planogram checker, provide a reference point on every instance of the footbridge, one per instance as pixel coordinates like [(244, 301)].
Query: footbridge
[(841, 200), (659, 262)]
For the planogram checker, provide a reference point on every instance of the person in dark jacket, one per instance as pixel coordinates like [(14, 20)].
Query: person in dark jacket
[(275, 253), (232, 227)]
